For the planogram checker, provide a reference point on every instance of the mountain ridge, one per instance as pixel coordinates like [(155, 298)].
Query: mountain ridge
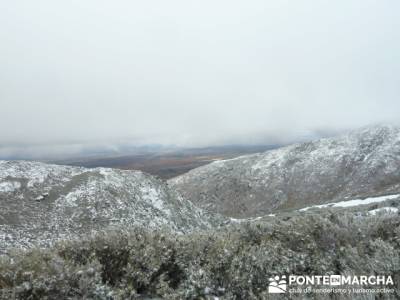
[(41, 203), (362, 163)]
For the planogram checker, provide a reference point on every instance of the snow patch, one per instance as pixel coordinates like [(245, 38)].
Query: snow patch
[(354, 202), (9, 186), (151, 195), (389, 210), (238, 221), (111, 177)]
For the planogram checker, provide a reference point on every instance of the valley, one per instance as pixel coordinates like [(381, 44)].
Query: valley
[(168, 163), (218, 231)]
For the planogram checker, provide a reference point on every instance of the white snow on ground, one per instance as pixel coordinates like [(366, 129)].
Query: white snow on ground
[(9, 186), (36, 172), (238, 221), (390, 210), (354, 202), (151, 195), (111, 177)]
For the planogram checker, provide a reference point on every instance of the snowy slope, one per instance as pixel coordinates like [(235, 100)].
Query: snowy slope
[(41, 203), (363, 163)]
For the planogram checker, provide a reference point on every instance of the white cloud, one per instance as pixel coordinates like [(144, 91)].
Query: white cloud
[(194, 72)]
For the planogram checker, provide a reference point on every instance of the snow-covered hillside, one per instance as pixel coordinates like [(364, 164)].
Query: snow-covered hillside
[(41, 203), (363, 163)]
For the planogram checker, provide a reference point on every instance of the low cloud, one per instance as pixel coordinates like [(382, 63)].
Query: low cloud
[(85, 74)]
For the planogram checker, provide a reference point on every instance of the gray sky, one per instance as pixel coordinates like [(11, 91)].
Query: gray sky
[(194, 72)]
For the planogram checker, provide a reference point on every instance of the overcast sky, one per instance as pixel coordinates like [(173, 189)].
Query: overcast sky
[(194, 72)]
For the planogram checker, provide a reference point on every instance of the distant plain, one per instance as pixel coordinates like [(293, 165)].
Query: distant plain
[(166, 163)]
